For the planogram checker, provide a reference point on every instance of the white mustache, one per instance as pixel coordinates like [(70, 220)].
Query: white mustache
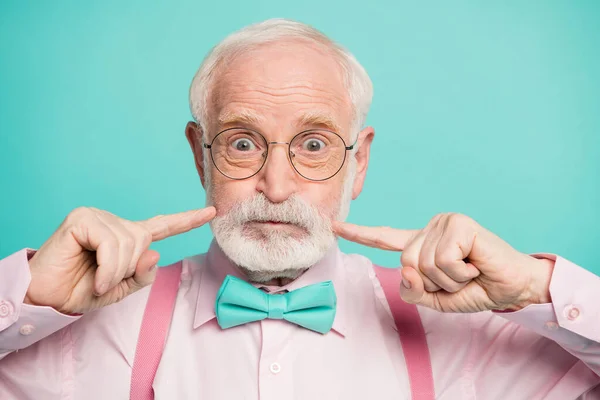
[(294, 211)]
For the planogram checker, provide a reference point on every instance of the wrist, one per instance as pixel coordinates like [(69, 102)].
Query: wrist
[(538, 289), (30, 261)]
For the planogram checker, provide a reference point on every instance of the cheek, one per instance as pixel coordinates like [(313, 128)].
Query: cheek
[(325, 196), (226, 193)]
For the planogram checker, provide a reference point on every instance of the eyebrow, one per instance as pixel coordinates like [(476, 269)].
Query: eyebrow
[(319, 118), (240, 116)]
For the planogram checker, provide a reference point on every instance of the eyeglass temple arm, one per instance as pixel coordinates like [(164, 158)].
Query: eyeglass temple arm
[(351, 147)]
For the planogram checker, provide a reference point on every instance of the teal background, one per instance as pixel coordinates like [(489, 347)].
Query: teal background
[(491, 109)]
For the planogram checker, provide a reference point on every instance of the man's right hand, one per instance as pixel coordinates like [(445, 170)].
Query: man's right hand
[(96, 258)]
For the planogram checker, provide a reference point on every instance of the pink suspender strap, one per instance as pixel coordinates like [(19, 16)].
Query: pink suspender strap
[(412, 335), (153, 333)]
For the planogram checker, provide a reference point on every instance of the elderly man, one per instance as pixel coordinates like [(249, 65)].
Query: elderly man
[(274, 310)]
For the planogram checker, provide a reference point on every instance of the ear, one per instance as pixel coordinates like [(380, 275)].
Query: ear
[(193, 132), (365, 138)]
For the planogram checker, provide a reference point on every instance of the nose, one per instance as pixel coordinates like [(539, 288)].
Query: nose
[(277, 179)]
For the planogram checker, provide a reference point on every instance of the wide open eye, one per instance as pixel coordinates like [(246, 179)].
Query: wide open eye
[(312, 144), (243, 144)]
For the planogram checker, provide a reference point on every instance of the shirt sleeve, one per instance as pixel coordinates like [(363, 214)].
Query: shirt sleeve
[(22, 324), (572, 319)]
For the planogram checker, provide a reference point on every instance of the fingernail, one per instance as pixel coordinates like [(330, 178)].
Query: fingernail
[(406, 283), (101, 289), (152, 268)]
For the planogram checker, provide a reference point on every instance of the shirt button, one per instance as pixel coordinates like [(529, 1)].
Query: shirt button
[(275, 368), (27, 329), (6, 309), (571, 312), (551, 325)]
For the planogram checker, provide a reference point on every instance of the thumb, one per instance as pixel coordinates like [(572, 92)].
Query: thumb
[(145, 271), (412, 288)]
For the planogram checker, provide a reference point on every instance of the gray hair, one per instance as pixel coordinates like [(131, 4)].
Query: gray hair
[(356, 79)]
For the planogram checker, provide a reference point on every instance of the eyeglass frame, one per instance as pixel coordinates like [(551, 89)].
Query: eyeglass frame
[(289, 152)]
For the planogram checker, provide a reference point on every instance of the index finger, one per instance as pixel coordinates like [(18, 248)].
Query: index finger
[(164, 226), (381, 237)]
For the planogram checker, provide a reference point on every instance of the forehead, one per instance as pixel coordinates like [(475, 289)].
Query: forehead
[(280, 86)]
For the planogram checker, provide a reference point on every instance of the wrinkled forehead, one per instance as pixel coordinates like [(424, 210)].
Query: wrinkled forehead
[(286, 86)]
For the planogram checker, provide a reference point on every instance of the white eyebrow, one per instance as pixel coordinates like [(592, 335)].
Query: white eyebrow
[(242, 115), (320, 118)]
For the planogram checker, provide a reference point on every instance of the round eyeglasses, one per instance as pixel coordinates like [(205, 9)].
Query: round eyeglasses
[(316, 154)]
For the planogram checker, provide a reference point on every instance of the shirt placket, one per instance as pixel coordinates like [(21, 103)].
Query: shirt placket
[(275, 370)]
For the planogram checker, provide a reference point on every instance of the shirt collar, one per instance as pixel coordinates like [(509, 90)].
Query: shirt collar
[(217, 266)]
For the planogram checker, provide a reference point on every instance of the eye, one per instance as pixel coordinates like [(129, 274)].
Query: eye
[(313, 145), (243, 144)]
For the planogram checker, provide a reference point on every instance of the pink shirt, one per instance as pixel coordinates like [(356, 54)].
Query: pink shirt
[(546, 351)]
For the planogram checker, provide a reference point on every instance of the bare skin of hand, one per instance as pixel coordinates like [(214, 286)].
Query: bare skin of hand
[(95, 258), (456, 265)]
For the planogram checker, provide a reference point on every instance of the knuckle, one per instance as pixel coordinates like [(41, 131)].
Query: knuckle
[(465, 274), (130, 271), (120, 293), (409, 258), (444, 259), (78, 213), (458, 274), (187, 226), (144, 236), (472, 273), (157, 218), (127, 242), (456, 220), (430, 286), (436, 219), (164, 229), (379, 239), (110, 242), (463, 278), (428, 267), (160, 225), (454, 287)]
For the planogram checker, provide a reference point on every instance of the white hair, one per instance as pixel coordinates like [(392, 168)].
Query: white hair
[(356, 79)]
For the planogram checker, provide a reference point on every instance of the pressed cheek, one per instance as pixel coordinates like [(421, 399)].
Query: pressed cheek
[(324, 195), (228, 192)]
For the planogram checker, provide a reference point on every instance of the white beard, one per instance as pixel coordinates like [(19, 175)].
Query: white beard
[(267, 254)]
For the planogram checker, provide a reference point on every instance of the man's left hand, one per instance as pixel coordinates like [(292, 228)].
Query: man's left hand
[(456, 265)]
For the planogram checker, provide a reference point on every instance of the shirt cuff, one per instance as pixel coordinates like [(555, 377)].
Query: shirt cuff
[(575, 306), (23, 324)]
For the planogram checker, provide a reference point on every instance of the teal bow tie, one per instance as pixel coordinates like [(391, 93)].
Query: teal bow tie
[(312, 307)]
